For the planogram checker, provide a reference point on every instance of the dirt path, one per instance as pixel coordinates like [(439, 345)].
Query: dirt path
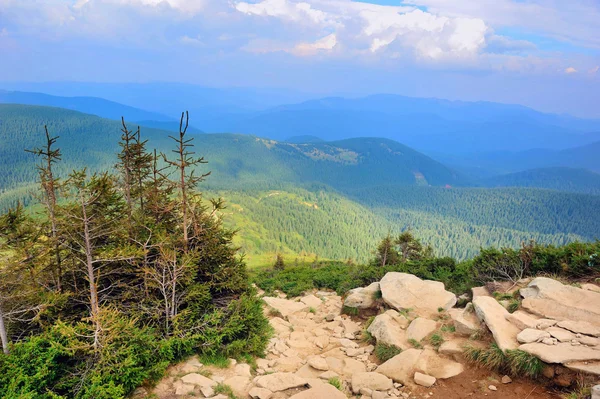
[(314, 347)]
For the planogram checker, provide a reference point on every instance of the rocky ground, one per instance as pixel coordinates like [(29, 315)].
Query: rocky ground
[(318, 352)]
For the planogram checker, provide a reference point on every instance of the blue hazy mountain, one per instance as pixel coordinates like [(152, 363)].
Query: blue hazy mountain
[(426, 124), (555, 178), (89, 105)]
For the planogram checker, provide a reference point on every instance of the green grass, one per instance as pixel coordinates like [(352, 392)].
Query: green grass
[(226, 390), (217, 360), (336, 382), (514, 305), (415, 344), (436, 340), (514, 362), (449, 328), (350, 311), (385, 352), (312, 310)]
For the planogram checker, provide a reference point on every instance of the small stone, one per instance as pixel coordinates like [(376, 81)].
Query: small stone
[(260, 393), (243, 370), (506, 380), (318, 363), (424, 379), (208, 392), (492, 388)]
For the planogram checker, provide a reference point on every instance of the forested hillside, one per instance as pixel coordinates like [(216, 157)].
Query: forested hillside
[(559, 178), (331, 199)]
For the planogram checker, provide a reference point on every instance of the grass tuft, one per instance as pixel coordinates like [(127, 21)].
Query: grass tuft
[(436, 340), (385, 352), (448, 328), (226, 390), (336, 382), (514, 362), (415, 344), (216, 360), (350, 311)]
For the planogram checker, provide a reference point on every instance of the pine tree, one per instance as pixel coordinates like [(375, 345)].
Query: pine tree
[(50, 186)]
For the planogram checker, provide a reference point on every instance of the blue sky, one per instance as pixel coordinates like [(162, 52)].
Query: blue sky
[(540, 53)]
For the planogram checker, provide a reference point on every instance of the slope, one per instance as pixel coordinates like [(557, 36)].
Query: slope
[(90, 105), (425, 124), (557, 178)]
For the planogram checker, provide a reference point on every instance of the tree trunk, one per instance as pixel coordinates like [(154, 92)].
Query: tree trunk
[(89, 261), (3, 335)]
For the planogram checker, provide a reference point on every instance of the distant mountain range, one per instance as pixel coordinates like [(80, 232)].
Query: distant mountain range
[(559, 178), (427, 124)]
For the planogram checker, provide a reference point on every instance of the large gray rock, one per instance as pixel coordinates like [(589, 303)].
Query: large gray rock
[(522, 320), (386, 330), (285, 306), (585, 367), (530, 335), (561, 353), (280, 381), (580, 327), (430, 363), (407, 291), (362, 297), (596, 392), (373, 381), (420, 328), (551, 299), (465, 321), (401, 367), (197, 379), (494, 316)]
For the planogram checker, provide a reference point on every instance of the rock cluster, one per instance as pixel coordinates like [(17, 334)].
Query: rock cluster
[(317, 352)]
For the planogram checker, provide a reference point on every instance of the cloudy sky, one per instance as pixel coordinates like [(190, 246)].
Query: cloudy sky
[(541, 53)]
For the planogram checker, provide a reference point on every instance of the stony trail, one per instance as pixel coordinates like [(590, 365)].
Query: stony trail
[(317, 352)]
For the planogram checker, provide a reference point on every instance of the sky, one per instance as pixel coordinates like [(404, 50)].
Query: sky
[(540, 53)]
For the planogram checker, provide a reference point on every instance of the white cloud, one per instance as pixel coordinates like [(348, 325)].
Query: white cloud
[(570, 70), (288, 10), (594, 70), (324, 44)]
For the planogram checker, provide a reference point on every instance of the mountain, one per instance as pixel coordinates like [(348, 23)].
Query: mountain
[(335, 199), (488, 164), (426, 124), (557, 178), (304, 139), (89, 105), (235, 160), (172, 98)]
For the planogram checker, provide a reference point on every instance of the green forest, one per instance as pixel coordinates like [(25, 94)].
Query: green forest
[(327, 200)]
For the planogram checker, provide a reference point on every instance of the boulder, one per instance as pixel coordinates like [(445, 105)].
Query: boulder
[(494, 316), (243, 370), (260, 393), (239, 385), (424, 379), (465, 321), (401, 319), (284, 306), (561, 353), (585, 367), (452, 347), (401, 367), (386, 330), (197, 379), (318, 363), (352, 366), (522, 320), (430, 363), (479, 291), (373, 381), (320, 391), (552, 299), (280, 381), (362, 297), (561, 334), (530, 335), (420, 328), (311, 301), (407, 291), (580, 327), (596, 392), (590, 287)]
